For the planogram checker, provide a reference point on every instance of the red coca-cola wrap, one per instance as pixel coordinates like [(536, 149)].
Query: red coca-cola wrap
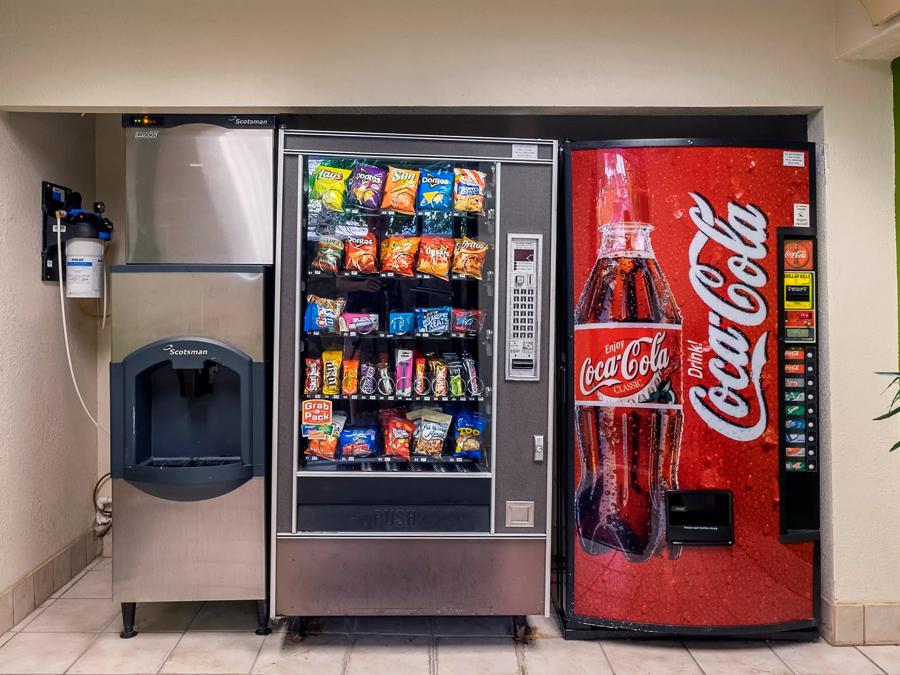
[(674, 369)]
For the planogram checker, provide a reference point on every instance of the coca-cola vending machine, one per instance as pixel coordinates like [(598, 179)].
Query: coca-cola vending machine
[(689, 430)]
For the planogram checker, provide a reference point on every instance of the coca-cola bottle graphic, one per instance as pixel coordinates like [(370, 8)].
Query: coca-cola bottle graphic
[(628, 415)]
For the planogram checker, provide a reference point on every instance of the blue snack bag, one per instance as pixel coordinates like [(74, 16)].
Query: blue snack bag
[(359, 442), (433, 320), (469, 435), (435, 190), (401, 323), (322, 313)]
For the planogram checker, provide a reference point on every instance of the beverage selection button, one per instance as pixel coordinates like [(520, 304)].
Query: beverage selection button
[(793, 368)]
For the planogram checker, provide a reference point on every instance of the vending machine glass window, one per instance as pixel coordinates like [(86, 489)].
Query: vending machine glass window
[(398, 257)]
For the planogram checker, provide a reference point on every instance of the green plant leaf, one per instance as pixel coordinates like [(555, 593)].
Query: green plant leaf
[(889, 413), (882, 372), (894, 446)]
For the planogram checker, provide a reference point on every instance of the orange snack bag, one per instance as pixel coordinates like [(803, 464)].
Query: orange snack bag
[(468, 257), (398, 436), (398, 255), (434, 256), (400, 190), (360, 253)]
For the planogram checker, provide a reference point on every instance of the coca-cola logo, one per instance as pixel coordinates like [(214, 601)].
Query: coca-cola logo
[(734, 407), (625, 367)]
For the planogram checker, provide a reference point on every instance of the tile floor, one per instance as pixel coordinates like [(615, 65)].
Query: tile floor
[(76, 631)]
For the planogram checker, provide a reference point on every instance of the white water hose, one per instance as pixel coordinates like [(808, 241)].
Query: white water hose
[(62, 307)]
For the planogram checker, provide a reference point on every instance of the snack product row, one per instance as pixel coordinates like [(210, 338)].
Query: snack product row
[(327, 315), (401, 434), (434, 255), (339, 184), (412, 373)]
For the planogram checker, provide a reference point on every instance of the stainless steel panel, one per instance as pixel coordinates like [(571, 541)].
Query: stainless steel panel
[(206, 550), (322, 577), (199, 193), (150, 306)]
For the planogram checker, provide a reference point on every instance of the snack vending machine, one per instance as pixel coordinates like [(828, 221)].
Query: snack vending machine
[(689, 444), (413, 395)]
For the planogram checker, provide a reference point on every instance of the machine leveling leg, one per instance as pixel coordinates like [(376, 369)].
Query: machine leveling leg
[(262, 617), (128, 630)]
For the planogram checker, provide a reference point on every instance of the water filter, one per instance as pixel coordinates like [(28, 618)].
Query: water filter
[(84, 268)]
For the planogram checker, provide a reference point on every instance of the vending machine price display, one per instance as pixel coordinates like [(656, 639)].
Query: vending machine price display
[(398, 264)]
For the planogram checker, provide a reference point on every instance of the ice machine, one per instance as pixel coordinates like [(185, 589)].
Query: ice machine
[(190, 373)]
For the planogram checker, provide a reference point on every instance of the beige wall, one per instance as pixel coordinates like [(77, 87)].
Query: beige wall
[(591, 55), (48, 447)]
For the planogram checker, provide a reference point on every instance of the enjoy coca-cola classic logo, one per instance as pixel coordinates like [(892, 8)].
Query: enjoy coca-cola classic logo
[(735, 406), (622, 362)]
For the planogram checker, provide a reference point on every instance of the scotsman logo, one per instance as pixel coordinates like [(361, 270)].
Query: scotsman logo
[(247, 121), (174, 351), (734, 303)]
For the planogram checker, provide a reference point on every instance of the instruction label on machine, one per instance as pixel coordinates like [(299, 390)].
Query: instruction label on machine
[(798, 290)]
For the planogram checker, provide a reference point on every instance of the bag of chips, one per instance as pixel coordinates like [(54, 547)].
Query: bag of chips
[(329, 251), (434, 256), (433, 320), (359, 442), (313, 383), (468, 257), (401, 323), (326, 446), (469, 435), (431, 431), (322, 313), (466, 321), (350, 378), (366, 186), (360, 254), (331, 372), (398, 255), (435, 190), (398, 436), (328, 185), (468, 190), (400, 190)]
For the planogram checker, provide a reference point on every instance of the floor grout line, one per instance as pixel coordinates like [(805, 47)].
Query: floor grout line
[(693, 658), (259, 651), (787, 665), (606, 657), (171, 651), (346, 664), (856, 647), (84, 651)]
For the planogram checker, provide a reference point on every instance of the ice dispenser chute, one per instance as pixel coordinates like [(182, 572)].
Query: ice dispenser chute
[(190, 421)]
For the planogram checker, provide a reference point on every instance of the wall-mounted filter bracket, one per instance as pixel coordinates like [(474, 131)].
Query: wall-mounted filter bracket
[(77, 223)]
